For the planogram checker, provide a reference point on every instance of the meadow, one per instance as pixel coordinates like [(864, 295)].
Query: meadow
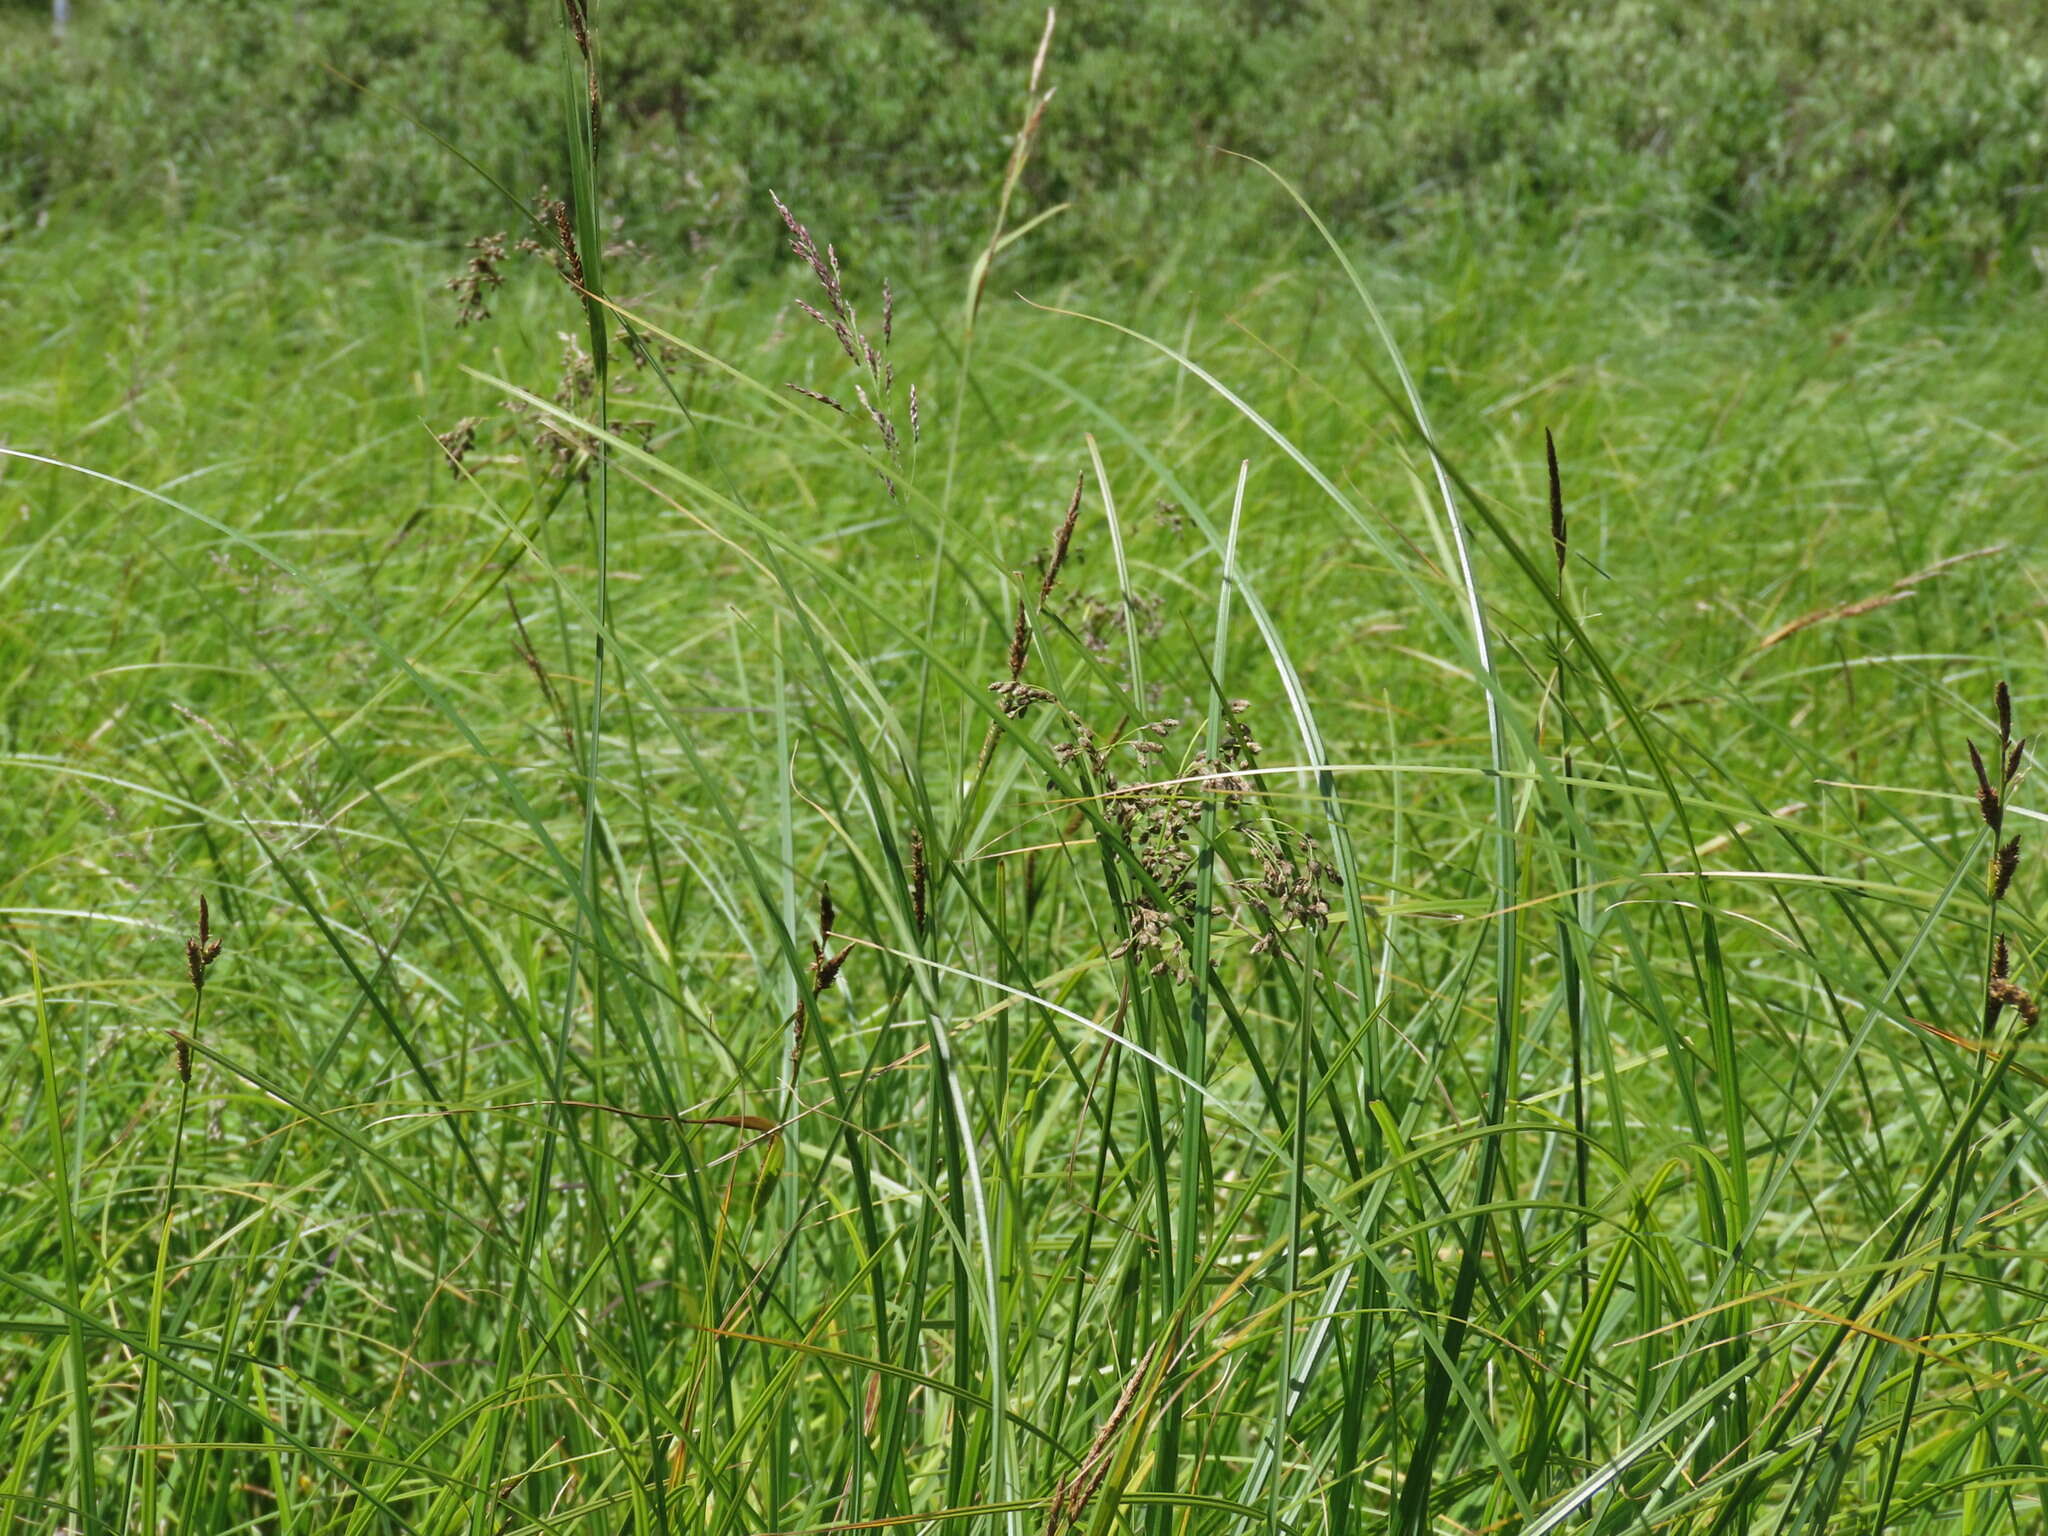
[(1075, 877)]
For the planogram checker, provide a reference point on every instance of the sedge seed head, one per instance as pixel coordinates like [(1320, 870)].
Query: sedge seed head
[(1988, 804), (920, 876), (1558, 533), (826, 971), (2016, 998), (2003, 866)]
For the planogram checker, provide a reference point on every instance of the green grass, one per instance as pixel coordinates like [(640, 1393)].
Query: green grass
[(1558, 1116)]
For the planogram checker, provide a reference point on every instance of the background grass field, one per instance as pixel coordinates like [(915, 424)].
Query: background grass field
[(780, 969)]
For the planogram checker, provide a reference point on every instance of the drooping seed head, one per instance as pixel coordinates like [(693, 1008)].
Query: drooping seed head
[(2016, 998)]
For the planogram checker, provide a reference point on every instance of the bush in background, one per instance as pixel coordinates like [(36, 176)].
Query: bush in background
[(1817, 137)]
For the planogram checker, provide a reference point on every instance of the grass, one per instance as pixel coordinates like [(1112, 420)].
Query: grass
[(1511, 1054)]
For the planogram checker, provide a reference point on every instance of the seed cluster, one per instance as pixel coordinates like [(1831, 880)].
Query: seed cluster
[(874, 371), (479, 277), (1992, 795), (201, 951)]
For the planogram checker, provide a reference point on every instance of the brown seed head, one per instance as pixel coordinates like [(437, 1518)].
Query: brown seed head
[(1061, 538), (565, 235), (457, 441), (2003, 865), (181, 1056), (1558, 535), (826, 971), (1020, 643), (822, 399), (826, 914), (2016, 998), (920, 875), (884, 428), (797, 1021), (478, 277), (2001, 968), (1071, 1497), (2002, 696), (2014, 754), (1988, 804), (202, 951)]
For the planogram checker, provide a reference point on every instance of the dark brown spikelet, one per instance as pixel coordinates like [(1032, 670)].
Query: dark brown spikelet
[(827, 914), (1061, 540), (181, 1056), (579, 28), (2002, 868), (200, 953), (2013, 756), (1020, 642), (479, 276), (1988, 803), (820, 397), (2001, 967), (2017, 999), (2002, 696), (920, 874), (1071, 1496), (1558, 537), (797, 1021), (826, 971), (457, 441), (565, 232)]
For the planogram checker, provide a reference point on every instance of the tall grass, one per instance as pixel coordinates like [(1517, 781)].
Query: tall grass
[(1187, 939)]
